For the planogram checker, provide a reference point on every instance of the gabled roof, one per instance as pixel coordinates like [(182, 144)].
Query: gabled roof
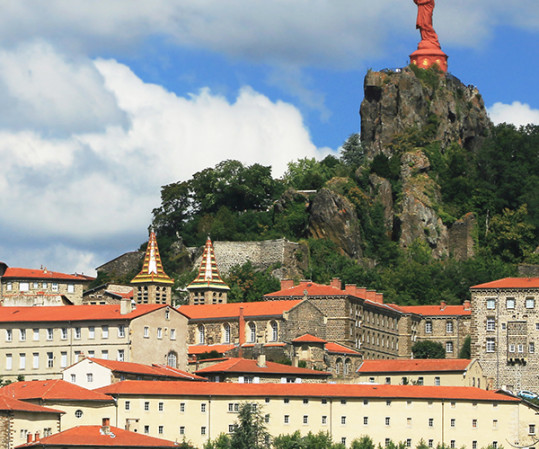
[(339, 349), (53, 390), (436, 310), (158, 388), (312, 288), (208, 273), (511, 283), (413, 365), (201, 349), (149, 370), (73, 313), (308, 338), (11, 404), (246, 366), (42, 274), (94, 436), (232, 310), (152, 267)]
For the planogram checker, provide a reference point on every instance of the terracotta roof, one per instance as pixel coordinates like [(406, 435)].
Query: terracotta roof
[(94, 436), (158, 388), (313, 289), (511, 283), (208, 273), (413, 365), (308, 338), (73, 313), (56, 389), (139, 368), (436, 310), (232, 310), (46, 275), (238, 365), (152, 267), (12, 404), (201, 349), (340, 349)]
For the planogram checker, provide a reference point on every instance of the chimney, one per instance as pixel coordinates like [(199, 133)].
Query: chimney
[(29, 437), (350, 289), (125, 306), (467, 305), (379, 298), (370, 295), (442, 305), (295, 361), (287, 283), (336, 282), (105, 427), (261, 363), (36, 436), (361, 292)]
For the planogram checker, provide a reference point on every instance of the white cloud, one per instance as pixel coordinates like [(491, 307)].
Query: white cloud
[(82, 189), (517, 113)]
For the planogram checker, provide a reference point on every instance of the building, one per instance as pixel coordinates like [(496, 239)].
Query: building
[(453, 416), (505, 332), (30, 287), (107, 294), (208, 287), (97, 437), (96, 373), (152, 285), (39, 342), (437, 372)]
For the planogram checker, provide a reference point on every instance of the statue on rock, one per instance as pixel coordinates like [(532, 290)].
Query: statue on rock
[(428, 51)]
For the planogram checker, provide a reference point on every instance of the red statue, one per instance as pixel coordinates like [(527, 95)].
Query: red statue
[(428, 51)]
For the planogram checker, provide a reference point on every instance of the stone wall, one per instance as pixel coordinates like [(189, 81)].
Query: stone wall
[(5, 437), (305, 318), (124, 264), (461, 237)]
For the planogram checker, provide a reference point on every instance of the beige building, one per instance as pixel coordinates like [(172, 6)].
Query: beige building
[(454, 416), (39, 342), (437, 372), (505, 332)]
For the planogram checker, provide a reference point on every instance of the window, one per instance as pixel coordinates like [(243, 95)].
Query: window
[(387, 420), (70, 288), (35, 360), (491, 345), (121, 355), (512, 347), (91, 332), (233, 407), (63, 359), (431, 422), (73, 378), (203, 430), (491, 303), (449, 327), (343, 420), (24, 286), (201, 334), (203, 408), (495, 444), (520, 347), (36, 334), (146, 332), (452, 444), (182, 407), (510, 303), (159, 333), (531, 348), (453, 422), (89, 377), (161, 429), (22, 334), (54, 286), (343, 441), (494, 423), (128, 405), (437, 380), (474, 444), (449, 346), (121, 331), (474, 423), (531, 429), (431, 443), (420, 380), (274, 331), (146, 406), (78, 413), (428, 327), (371, 380), (9, 335), (287, 419), (324, 401), (343, 401), (173, 334), (9, 286), (388, 380), (387, 442), (491, 324), (231, 428), (365, 420), (388, 403), (147, 429), (324, 419), (305, 419), (182, 430), (408, 442), (252, 333), (22, 361), (286, 400), (104, 331), (409, 421), (105, 354), (50, 360), (305, 401), (226, 333), (530, 303), (77, 333)]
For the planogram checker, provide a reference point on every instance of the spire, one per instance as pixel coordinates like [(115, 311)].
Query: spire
[(152, 268), (208, 273)]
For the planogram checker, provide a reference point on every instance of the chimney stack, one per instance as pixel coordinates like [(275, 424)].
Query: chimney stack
[(443, 304), (261, 363), (287, 283), (105, 427), (29, 437), (336, 282), (36, 436), (467, 304), (125, 306)]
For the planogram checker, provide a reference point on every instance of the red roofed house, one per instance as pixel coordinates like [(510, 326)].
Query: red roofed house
[(107, 294), (505, 332), (30, 287), (39, 342), (97, 437)]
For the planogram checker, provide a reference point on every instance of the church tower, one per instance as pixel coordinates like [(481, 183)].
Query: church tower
[(208, 287), (152, 285)]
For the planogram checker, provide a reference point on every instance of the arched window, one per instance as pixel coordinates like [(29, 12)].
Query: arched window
[(338, 366), (252, 333), (226, 333), (347, 366), (201, 334), (274, 331), (172, 359)]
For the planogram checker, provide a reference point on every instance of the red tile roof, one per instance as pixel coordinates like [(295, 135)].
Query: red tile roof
[(511, 283), (232, 310), (313, 289), (413, 365), (340, 349), (237, 365), (29, 273), (54, 390), (158, 388), (73, 313), (11, 404), (94, 436), (201, 349), (308, 338), (437, 310), (139, 368)]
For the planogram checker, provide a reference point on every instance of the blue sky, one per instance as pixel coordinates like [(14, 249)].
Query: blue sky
[(104, 102)]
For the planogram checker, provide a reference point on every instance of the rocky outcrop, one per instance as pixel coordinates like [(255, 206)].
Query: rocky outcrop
[(383, 193), (397, 101), (461, 237), (333, 217)]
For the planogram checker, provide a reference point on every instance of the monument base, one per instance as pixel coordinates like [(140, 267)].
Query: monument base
[(427, 57)]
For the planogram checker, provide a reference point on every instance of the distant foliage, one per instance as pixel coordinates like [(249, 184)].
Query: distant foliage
[(427, 349), (248, 284), (466, 350)]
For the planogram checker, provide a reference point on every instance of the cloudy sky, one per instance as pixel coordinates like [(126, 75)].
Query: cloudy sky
[(103, 102)]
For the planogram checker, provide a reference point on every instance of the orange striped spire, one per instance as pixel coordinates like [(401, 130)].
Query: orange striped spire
[(208, 273), (152, 268)]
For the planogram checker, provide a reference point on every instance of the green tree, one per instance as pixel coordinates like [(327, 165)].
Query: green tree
[(250, 432), (427, 349), (309, 174), (294, 441), (466, 350), (365, 442), (223, 441), (352, 153), (248, 284)]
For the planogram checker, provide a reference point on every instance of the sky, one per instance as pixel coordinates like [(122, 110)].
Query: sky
[(104, 102)]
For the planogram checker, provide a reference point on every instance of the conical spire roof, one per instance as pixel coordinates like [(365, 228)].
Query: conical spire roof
[(208, 273), (152, 268)]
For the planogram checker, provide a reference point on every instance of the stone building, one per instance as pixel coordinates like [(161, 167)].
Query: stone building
[(107, 294), (208, 287), (505, 332), (152, 285)]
